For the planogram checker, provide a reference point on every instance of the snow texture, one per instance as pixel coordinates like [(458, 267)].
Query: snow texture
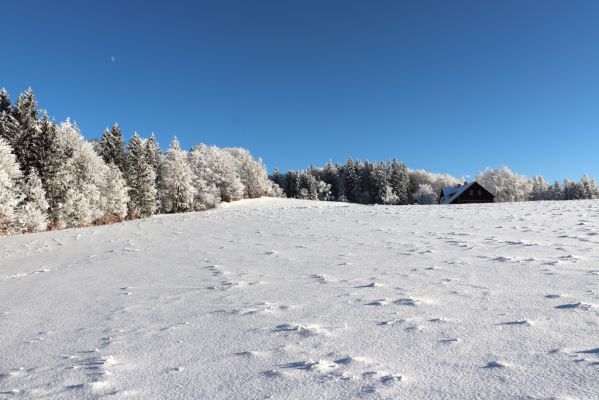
[(293, 299)]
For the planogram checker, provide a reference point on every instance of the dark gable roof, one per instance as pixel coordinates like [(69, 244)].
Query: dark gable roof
[(449, 193)]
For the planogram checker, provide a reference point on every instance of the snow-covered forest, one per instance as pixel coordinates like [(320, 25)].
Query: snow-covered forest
[(392, 182), (52, 178)]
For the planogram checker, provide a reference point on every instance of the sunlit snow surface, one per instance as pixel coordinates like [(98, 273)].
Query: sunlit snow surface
[(289, 299)]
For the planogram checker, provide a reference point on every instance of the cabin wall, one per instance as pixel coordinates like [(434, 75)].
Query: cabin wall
[(475, 194)]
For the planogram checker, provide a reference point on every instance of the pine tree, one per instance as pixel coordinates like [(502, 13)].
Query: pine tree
[(112, 147), (176, 187), (141, 180), (10, 194), (32, 215)]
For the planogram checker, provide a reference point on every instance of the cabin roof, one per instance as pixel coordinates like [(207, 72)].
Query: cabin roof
[(450, 193)]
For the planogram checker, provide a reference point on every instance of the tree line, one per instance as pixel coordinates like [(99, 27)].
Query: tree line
[(52, 178), (392, 182)]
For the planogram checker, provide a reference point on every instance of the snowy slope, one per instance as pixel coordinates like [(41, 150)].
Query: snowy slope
[(290, 299)]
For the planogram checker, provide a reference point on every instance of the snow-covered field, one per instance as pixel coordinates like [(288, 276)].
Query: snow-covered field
[(290, 299)]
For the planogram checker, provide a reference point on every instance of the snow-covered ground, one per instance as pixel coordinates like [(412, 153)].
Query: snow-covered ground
[(290, 299)]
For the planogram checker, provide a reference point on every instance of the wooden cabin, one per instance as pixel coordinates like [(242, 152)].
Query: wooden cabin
[(468, 192)]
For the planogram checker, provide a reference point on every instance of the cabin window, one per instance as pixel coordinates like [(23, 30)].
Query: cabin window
[(471, 192), (479, 192)]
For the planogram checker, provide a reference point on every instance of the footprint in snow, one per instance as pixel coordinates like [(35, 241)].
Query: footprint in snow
[(494, 364), (517, 323), (579, 305), (369, 285), (406, 301), (302, 330), (380, 302)]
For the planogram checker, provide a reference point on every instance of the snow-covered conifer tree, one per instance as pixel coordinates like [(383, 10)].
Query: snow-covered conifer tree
[(353, 185), (331, 176), (141, 180), (154, 155), (400, 181), (49, 155), (588, 188), (22, 139), (8, 125), (112, 147)]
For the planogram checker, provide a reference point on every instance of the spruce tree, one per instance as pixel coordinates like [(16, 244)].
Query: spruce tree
[(399, 181), (112, 147), (25, 117), (154, 154), (141, 180), (588, 188), (353, 189), (368, 184), (49, 157), (381, 183), (8, 125)]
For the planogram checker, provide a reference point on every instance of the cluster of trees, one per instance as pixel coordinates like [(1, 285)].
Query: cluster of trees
[(388, 182), (52, 178), (392, 182), (510, 186)]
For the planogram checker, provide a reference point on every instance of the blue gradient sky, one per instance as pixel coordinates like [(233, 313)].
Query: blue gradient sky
[(449, 86)]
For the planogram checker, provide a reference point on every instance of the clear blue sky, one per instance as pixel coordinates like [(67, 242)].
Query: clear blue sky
[(449, 86)]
